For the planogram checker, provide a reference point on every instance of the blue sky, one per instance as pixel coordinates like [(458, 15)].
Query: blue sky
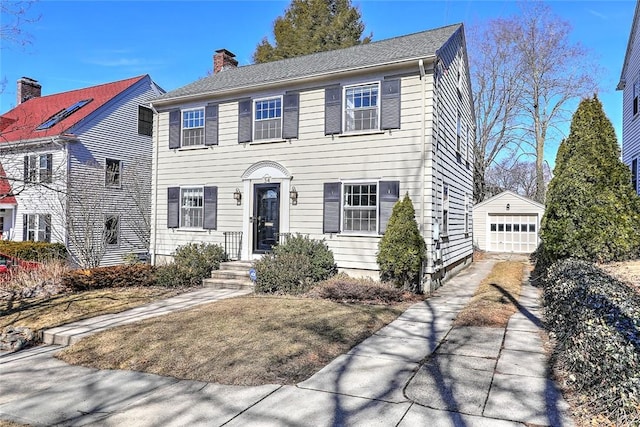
[(82, 43)]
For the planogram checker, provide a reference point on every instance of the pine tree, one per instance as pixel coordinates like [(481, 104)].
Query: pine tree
[(592, 212), (402, 249), (310, 26)]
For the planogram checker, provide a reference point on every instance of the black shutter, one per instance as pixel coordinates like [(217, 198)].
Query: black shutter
[(47, 228), (26, 169), (25, 220), (244, 121), (49, 168), (174, 129), (331, 208), (332, 110), (290, 116), (211, 125), (389, 195), (173, 207), (210, 208), (390, 105)]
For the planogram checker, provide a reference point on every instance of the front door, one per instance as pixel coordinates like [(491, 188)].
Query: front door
[(266, 216)]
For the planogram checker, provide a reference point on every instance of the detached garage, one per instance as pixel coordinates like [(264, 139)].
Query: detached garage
[(507, 223)]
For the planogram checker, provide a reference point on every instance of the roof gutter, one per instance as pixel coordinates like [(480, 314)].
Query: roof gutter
[(284, 82), (57, 140)]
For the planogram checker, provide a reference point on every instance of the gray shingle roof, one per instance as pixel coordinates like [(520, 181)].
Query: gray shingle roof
[(417, 45)]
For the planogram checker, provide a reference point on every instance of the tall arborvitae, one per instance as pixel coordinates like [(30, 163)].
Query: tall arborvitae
[(402, 249), (592, 212), (310, 26)]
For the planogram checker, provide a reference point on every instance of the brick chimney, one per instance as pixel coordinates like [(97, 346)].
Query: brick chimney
[(27, 89), (223, 59)]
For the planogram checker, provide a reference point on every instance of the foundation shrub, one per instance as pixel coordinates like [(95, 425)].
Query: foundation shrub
[(192, 263), (283, 273), (343, 288), (596, 322), (321, 262), (109, 277)]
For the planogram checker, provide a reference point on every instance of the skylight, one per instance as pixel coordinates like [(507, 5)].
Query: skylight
[(62, 114)]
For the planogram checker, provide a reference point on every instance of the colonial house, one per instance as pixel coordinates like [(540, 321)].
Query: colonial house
[(322, 145), (630, 86), (77, 168)]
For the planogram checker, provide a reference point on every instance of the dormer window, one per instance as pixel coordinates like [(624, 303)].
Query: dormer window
[(63, 114)]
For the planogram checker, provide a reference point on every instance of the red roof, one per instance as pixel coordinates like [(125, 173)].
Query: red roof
[(20, 123), (5, 189)]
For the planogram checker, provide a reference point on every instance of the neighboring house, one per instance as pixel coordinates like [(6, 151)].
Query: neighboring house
[(507, 222), (630, 87), (321, 145), (79, 167)]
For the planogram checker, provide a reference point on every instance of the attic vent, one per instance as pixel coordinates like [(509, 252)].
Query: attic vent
[(62, 114)]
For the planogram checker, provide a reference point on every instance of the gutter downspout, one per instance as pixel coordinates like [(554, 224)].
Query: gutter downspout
[(423, 157), (154, 203)]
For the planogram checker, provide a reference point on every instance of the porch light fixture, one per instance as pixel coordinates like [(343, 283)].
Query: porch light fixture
[(293, 194), (237, 195)]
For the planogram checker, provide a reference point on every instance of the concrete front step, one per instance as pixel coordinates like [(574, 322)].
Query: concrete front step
[(244, 266), (243, 283)]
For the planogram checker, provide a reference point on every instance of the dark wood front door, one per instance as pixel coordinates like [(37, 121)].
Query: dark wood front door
[(266, 216)]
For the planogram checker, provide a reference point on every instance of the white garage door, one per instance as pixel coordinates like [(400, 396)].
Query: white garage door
[(513, 233)]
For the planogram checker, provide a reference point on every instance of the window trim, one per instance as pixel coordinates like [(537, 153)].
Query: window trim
[(183, 128), (377, 129), (107, 182), (254, 120), (150, 124), (635, 97), (117, 230), (180, 215), (375, 182)]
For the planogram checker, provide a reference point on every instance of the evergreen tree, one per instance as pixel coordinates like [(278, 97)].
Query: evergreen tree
[(310, 26), (402, 249), (592, 212)]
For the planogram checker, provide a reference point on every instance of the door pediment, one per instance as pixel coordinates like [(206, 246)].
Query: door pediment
[(266, 168)]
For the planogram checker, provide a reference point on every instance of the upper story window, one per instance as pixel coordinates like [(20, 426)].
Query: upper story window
[(268, 118), (193, 127), (113, 173), (636, 94), (361, 110), (360, 207), (145, 121), (459, 132), (191, 207), (38, 168)]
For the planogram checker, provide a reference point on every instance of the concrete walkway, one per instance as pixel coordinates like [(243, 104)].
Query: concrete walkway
[(417, 370)]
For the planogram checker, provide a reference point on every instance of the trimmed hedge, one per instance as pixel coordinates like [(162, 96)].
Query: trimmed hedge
[(294, 266), (34, 251), (596, 320), (109, 277)]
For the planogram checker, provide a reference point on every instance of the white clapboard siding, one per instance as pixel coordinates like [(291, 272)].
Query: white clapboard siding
[(113, 133), (631, 75)]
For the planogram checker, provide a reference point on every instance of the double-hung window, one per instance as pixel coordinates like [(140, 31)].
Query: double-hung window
[(145, 121), (113, 173), (634, 174), (360, 206), (268, 118), (38, 168), (36, 227), (361, 107), (636, 94), (191, 207), (445, 209), (111, 229), (193, 127)]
